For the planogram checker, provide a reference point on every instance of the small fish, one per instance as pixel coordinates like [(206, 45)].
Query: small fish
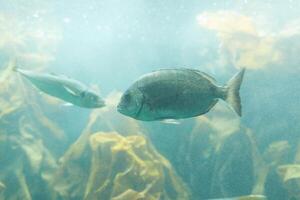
[(177, 94), (250, 197), (64, 88)]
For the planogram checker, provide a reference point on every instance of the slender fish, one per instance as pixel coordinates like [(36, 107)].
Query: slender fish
[(64, 88)]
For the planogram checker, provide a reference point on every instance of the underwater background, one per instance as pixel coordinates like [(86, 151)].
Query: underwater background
[(50, 151)]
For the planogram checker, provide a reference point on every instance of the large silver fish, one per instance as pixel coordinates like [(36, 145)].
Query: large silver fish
[(177, 94), (64, 88)]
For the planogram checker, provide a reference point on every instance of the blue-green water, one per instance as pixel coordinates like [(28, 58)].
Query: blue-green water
[(50, 151)]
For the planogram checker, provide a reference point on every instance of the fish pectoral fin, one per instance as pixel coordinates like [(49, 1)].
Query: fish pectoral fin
[(68, 104), (215, 101), (73, 92), (170, 121)]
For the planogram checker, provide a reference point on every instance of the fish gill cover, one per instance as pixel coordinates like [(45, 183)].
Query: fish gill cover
[(49, 151)]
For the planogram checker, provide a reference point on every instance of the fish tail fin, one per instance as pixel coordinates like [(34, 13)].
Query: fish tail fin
[(232, 94)]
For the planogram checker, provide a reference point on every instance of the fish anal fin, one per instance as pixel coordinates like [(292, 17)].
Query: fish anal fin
[(68, 104)]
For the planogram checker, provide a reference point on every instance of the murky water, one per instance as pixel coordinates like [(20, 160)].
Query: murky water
[(52, 151)]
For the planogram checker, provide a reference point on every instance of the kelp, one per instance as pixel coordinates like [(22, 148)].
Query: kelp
[(290, 175), (248, 197), (2, 188), (276, 153), (136, 169), (297, 157), (10, 99), (211, 156), (219, 156), (24, 138), (289, 172), (115, 167), (105, 119)]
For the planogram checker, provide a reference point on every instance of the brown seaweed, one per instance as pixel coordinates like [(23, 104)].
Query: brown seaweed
[(112, 166)]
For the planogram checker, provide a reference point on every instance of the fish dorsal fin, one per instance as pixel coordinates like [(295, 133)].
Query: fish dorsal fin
[(71, 91), (58, 75), (209, 77), (205, 75)]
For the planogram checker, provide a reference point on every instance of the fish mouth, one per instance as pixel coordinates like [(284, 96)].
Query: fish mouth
[(127, 110), (123, 110), (119, 109)]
